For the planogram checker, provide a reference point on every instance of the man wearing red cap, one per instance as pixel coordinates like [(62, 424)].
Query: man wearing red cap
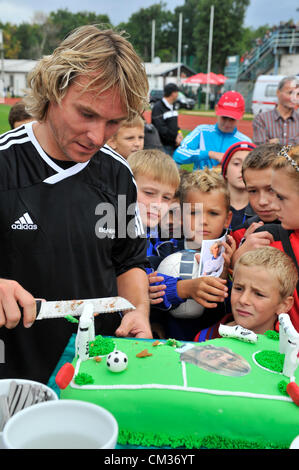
[(207, 143)]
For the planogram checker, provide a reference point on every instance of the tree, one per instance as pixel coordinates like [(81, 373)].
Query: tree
[(249, 36), (30, 38), (190, 19), (45, 32), (48, 32), (11, 43), (65, 21), (139, 28), (227, 31)]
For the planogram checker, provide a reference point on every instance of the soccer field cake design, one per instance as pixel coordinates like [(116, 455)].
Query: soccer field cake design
[(224, 393)]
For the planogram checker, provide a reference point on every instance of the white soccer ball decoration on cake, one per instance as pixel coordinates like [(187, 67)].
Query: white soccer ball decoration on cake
[(183, 264), (117, 361)]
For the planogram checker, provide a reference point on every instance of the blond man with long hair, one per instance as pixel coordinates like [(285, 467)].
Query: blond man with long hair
[(67, 200)]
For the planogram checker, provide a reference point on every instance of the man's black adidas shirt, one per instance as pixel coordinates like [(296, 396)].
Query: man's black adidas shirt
[(51, 221)]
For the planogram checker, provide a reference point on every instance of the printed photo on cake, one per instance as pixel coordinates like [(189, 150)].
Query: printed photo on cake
[(217, 359)]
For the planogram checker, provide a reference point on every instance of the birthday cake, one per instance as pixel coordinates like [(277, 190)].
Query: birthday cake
[(224, 393)]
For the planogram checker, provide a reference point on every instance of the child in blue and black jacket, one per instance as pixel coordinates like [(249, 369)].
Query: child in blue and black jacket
[(205, 204), (157, 180)]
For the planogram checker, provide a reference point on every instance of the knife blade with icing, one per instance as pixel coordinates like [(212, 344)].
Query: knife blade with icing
[(62, 308)]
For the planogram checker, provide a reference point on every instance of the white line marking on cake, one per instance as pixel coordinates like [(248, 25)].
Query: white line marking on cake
[(180, 388), (183, 388), (184, 375), (77, 368)]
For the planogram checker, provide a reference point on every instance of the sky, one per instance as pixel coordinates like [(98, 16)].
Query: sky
[(259, 12)]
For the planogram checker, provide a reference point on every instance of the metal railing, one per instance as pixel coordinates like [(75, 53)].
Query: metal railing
[(280, 41)]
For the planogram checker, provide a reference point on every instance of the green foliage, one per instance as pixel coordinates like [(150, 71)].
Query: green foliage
[(32, 41), (139, 28), (30, 37), (227, 29), (249, 36), (64, 21), (230, 37), (12, 45), (189, 43)]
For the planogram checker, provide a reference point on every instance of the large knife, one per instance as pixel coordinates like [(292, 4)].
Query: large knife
[(62, 308)]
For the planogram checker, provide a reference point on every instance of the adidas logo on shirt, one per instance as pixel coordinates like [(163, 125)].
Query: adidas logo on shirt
[(24, 223)]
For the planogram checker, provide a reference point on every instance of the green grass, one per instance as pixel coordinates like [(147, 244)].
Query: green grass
[(186, 166), (211, 112), (4, 124)]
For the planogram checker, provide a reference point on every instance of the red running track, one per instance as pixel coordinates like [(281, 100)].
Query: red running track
[(189, 122)]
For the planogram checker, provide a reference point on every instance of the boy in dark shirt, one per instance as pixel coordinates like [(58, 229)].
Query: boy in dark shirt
[(231, 167), (256, 173)]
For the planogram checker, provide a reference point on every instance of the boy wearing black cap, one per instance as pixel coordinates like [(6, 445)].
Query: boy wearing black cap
[(165, 119), (231, 167)]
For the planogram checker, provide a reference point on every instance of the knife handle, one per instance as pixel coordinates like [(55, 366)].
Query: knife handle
[(38, 304)]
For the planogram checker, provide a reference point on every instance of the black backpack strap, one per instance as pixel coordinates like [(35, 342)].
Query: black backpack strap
[(247, 222), (284, 236)]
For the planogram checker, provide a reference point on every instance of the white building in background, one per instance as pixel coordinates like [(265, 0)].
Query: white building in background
[(158, 74), (15, 76), (161, 73)]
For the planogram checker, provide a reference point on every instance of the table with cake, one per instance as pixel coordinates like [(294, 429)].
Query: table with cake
[(237, 391)]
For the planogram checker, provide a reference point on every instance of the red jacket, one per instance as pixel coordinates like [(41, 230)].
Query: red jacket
[(294, 312), (239, 231)]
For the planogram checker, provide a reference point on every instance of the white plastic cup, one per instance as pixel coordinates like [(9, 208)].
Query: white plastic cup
[(4, 390), (62, 424)]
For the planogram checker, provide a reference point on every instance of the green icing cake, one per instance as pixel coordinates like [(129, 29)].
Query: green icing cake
[(212, 395)]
